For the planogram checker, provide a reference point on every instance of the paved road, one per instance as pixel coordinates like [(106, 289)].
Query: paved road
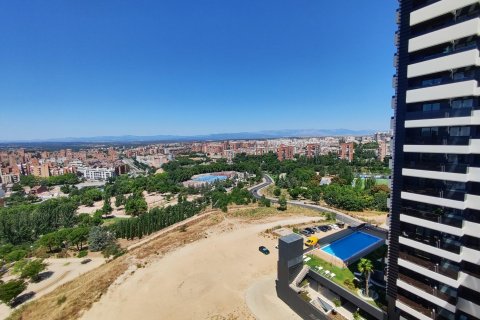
[(256, 192)]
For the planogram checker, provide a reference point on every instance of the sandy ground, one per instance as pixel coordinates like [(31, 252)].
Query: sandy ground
[(263, 302), (208, 279), (63, 270)]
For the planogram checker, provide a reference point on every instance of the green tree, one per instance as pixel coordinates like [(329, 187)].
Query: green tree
[(277, 192), (365, 266), (107, 207), (50, 240), (99, 238), (78, 236), (10, 290), (282, 203), (32, 269), (136, 205), (120, 200)]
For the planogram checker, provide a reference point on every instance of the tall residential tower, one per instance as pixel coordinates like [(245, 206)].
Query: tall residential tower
[(434, 239)]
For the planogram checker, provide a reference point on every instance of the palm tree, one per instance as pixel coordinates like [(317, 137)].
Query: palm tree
[(365, 266)]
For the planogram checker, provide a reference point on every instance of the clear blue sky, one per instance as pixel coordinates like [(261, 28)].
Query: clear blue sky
[(113, 67)]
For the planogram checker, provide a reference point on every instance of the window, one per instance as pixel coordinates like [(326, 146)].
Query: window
[(458, 75), (431, 107), (430, 132), (431, 82), (462, 103), (459, 131)]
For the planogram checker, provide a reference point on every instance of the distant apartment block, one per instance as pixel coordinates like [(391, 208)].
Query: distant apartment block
[(96, 173), (285, 152), (347, 150)]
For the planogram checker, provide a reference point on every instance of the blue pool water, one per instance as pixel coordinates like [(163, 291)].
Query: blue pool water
[(209, 178), (347, 247)]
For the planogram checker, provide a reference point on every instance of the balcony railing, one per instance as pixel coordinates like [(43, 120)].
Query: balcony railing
[(452, 220), (429, 265), (415, 306), (428, 289)]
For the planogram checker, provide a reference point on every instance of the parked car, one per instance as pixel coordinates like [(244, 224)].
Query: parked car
[(264, 250), (311, 241), (323, 228), (305, 232), (316, 229), (310, 230)]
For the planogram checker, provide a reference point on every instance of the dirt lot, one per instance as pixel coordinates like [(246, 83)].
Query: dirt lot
[(201, 273)]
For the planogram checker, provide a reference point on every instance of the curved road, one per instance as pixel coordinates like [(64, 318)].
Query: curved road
[(340, 215)]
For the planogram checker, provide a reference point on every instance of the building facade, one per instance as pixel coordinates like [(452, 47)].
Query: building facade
[(434, 239), (347, 150)]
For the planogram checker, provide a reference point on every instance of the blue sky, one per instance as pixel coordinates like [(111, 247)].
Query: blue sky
[(113, 67)]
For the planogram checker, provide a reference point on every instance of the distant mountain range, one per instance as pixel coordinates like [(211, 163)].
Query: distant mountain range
[(269, 134)]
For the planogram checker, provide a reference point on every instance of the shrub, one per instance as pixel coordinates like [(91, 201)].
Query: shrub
[(337, 302), (82, 254), (16, 255), (277, 192), (32, 269), (113, 250), (10, 290), (61, 300)]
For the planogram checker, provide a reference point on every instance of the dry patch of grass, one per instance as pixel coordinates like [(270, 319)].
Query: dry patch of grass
[(71, 299), (253, 212), (68, 300)]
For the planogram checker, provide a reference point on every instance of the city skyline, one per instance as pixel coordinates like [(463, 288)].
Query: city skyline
[(156, 68)]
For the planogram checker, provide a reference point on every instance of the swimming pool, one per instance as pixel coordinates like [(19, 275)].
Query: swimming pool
[(347, 247), (209, 178)]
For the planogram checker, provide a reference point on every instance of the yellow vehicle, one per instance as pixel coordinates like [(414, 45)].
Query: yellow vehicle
[(311, 241)]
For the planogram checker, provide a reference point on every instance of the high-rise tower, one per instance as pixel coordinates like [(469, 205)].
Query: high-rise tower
[(434, 239)]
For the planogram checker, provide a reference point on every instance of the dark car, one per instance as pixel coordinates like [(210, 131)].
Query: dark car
[(310, 230), (323, 228), (263, 250)]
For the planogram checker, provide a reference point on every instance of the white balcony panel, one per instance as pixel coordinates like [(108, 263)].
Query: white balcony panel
[(474, 174), (431, 225), (445, 91), (402, 306), (472, 201), (469, 281), (425, 295), (472, 148), (438, 175), (474, 119), (433, 200), (454, 61), (457, 31), (438, 9), (430, 249), (468, 307), (470, 255), (427, 272), (471, 228)]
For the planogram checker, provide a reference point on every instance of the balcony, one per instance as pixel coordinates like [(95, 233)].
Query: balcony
[(444, 91), (446, 141), (442, 269), (454, 32), (430, 9), (438, 114), (452, 61), (453, 220), (415, 306), (426, 288)]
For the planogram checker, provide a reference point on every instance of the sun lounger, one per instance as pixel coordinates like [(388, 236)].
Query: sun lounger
[(332, 275)]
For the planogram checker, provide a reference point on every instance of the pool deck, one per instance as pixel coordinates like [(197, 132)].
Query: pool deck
[(338, 262)]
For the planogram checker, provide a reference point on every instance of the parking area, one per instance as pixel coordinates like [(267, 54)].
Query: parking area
[(315, 232)]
